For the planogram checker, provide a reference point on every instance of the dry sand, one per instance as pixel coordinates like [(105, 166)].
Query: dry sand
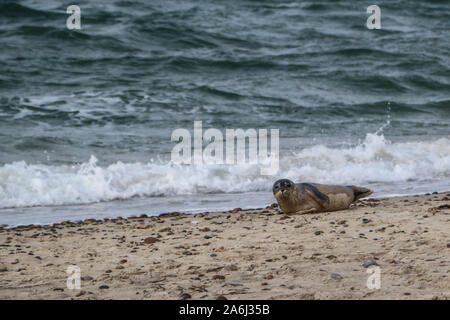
[(252, 254)]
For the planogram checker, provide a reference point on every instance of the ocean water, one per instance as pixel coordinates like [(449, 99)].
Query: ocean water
[(86, 116)]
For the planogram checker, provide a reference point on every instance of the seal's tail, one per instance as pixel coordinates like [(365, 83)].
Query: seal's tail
[(361, 192)]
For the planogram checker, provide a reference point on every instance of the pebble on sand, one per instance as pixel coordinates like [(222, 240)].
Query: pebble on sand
[(336, 276), (81, 293), (150, 240), (370, 262), (184, 296)]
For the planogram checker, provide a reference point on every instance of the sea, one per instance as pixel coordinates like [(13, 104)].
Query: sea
[(86, 115)]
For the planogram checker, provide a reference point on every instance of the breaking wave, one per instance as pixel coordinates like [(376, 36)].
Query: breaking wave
[(375, 160)]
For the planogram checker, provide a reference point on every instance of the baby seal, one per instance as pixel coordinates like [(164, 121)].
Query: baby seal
[(298, 198)]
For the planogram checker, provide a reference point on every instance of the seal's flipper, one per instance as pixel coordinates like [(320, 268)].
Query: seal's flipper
[(360, 192), (313, 210), (318, 196)]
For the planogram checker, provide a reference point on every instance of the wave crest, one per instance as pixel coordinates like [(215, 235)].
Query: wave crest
[(374, 160)]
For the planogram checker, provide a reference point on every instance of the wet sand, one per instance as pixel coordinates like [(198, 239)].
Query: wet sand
[(251, 254)]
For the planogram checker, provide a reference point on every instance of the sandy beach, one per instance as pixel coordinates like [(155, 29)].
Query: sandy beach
[(240, 254)]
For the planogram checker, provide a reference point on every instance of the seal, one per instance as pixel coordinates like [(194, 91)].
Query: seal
[(299, 198)]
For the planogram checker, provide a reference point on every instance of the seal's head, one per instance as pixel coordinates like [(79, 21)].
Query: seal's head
[(282, 188)]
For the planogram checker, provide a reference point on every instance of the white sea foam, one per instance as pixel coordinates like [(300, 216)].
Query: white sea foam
[(376, 160)]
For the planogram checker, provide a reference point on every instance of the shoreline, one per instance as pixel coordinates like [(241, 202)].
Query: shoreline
[(187, 212), (238, 254)]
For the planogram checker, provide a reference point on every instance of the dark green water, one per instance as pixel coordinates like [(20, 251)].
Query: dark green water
[(353, 105)]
